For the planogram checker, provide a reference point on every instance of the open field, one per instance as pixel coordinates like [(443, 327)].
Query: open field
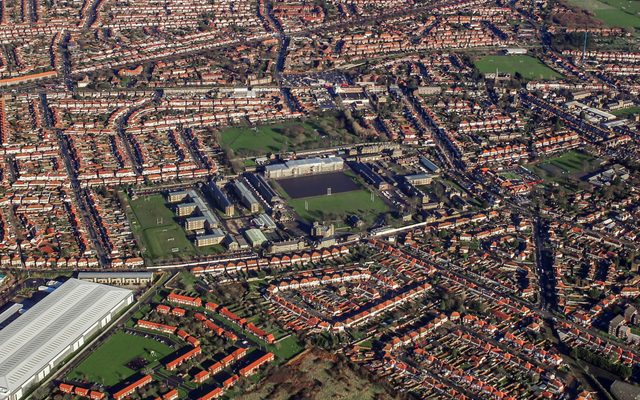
[(287, 136), (262, 139), (285, 348), (337, 206), (572, 164), (107, 365), (316, 375), (162, 235), (618, 13), (626, 111), (317, 185), (529, 67)]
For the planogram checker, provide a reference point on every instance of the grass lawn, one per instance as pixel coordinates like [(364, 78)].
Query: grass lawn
[(618, 13), (285, 349), (529, 67), (510, 175), (366, 344), (162, 235), (571, 164), (322, 131), (247, 140), (337, 206), (107, 365), (626, 111), (188, 280)]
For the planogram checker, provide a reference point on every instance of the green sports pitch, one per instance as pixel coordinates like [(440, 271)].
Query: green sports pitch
[(156, 225), (529, 67), (108, 364), (337, 207)]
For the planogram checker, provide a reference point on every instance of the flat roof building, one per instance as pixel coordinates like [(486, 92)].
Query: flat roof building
[(185, 209), (215, 237), (245, 195), (128, 278), (220, 198), (262, 187), (195, 223), (419, 179), (255, 237), (212, 220), (304, 166), (38, 340), (176, 197)]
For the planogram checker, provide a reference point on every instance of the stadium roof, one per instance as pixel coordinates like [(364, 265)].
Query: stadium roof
[(44, 331)]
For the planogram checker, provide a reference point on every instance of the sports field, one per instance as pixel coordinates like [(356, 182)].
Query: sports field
[(338, 206), (162, 235), (624, 112), (569, 164), (108, 364), (529, 67), (618, 13)]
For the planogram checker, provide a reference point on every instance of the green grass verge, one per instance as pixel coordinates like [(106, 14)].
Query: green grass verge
[(529, 67), (107, 365)]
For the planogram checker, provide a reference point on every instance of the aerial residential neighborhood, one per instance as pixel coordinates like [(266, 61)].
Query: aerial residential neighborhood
[(320, 199)]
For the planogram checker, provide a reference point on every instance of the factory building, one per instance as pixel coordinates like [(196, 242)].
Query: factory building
[(124, 278), (37, 341)]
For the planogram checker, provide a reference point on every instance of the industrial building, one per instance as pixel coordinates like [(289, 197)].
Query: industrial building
[(306, 166), (40, 339), (124, 278), (428, 164), (9, 314), (264, 221)]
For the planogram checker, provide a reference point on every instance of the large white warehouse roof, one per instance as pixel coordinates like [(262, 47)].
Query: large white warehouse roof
[(36, 338)]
